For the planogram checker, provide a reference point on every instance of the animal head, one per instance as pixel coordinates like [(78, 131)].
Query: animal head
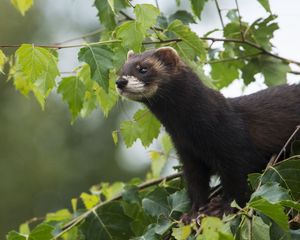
[(144, 74)]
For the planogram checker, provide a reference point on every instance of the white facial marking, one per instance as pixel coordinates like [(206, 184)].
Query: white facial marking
[(136, 89)]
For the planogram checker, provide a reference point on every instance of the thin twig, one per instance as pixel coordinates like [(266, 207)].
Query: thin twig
[(126, 15), (92, 33), (232, 40), (294, 72), (157, 5), (252, 44), (57, 46), (286, 144), (220, 13), (233, 59), (142, 186), (240, 19)]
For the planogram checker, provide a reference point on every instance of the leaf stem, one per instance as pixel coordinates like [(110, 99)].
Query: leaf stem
[(286, 144)]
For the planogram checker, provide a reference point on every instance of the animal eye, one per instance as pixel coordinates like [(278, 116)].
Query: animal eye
[(143, 70)]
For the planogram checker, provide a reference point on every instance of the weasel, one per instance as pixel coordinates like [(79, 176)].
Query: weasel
[(231, 137)]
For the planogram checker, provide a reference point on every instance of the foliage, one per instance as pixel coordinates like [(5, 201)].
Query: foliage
[(152, 210)]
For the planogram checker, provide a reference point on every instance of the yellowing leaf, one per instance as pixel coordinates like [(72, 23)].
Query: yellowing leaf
[(181, 233), (110, 191), (61, 215), (35, 70), (3, 60), (115, 136), (157, 163), (22, 5), (89, 200)]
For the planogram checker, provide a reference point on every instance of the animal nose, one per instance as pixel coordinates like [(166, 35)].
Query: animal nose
[(121, 83)]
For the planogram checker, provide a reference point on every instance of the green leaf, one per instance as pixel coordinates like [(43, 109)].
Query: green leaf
[(262, 31), (22, 5), (100, 59), (265, 4), (249, 70), (106, 13), (129, 29), (156, 202), (3, 60), (107, 223), (148, 124), (182, 233), (260, 230), (287, 174), (291, 204), (107, 100), (197, 7), (150, 234), (179, 202), (163, 225), (273, 211), (36, 61), (130, 132), (145, 127), (89, 200), (211, 228), (272, 192), (24, 228), (36, 68), (13, 235), (131, 194), (184, 16), (72, 90), (274, 71), (188, 37), (42, 231), (146, 14), (224, 73)]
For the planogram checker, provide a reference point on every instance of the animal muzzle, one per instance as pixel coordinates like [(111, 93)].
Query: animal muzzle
[(121, 83)]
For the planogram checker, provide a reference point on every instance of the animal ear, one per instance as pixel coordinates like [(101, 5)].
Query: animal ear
[(130, 54), (167, 55)]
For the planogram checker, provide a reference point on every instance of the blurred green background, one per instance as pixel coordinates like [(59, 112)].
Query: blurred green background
[(44, 160)]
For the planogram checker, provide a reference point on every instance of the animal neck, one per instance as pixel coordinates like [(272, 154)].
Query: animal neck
[(186, 100)]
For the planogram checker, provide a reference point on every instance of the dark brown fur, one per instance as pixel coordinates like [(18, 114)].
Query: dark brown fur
[(231, 137)]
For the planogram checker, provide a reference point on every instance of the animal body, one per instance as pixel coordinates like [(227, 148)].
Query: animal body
[(231, 137)]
